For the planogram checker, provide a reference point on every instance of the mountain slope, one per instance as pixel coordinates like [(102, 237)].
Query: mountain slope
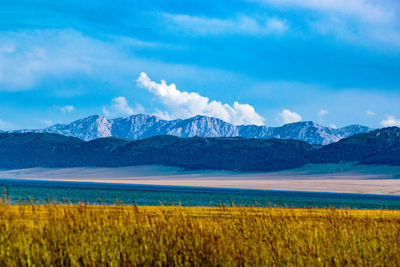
[(236, 154), (307, 131), (239, 154), (222, 153), (38, 150), (377, 147), (143, 126), (86, 129)]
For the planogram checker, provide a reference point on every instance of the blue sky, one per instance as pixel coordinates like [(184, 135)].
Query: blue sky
[(270, 62)]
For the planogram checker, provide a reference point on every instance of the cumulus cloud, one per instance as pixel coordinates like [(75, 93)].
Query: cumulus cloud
[(66, 109), (120, 106), (390, 121), (241, 25), (187, 104), (287, 116)]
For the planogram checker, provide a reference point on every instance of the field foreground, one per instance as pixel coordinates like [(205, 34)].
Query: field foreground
[(130, 235)]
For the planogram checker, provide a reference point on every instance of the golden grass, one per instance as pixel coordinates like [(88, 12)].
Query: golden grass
[(44, 235)]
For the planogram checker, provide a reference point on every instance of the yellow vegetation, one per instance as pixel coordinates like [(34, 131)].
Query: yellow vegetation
[(128, 235)]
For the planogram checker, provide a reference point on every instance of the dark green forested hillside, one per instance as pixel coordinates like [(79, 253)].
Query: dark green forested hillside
[(377, 147), (241, 154)]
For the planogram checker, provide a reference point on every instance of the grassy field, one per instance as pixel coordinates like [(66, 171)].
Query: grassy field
[(128, 235)]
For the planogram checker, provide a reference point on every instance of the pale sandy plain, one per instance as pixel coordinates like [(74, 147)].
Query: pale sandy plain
[(344, 178)]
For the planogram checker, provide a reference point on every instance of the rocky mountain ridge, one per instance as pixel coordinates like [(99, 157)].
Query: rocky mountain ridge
[(142, 126)]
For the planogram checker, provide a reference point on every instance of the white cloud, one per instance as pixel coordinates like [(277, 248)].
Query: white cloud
[(66, 109), (241, 25), (120, 106), (187, 104), (333, 126), (390, 121), (322, 112), (370, 113), (364, 9), (381, 35), (363, 22), (275, 25), (29, 56), (287, 116), (7, 49)]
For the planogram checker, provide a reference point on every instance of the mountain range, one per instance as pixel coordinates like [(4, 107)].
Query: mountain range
[(142, 126), (26, 150)]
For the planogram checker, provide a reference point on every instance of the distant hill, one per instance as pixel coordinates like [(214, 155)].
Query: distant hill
[(27, 150), (38, 150), (377, 147), (49, 150), (143, 126)]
